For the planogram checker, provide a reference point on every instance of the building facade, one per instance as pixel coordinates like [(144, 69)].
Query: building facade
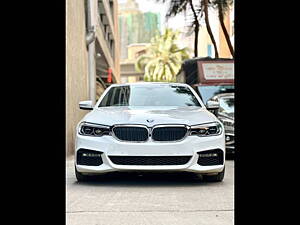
[(137, 29), (128, 72), (136, 26), (92, 56)]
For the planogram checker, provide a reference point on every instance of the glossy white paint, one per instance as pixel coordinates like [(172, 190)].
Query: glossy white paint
[(161, 115), (139, 115)]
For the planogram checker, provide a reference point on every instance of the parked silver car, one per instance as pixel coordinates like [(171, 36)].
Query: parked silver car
[(225, 114)]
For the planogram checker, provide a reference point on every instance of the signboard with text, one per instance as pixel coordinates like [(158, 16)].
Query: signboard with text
[(217, 71)]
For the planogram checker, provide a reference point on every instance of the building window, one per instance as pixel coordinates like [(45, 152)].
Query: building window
[(101, 17), (112, 47), (111, 5), (86, 15), (209, 50), (139, 53)]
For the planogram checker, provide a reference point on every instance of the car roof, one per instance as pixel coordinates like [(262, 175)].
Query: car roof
[(148, 84), (225, 95), (215, 84)]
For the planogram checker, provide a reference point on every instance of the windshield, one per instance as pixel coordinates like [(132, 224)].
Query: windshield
[(226, 106), (151, 95), (207, 92)]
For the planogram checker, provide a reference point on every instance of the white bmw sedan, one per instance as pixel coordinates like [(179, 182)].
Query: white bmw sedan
[(158, 127)]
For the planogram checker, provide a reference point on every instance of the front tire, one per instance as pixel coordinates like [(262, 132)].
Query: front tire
[(215, 178), (80, 177)]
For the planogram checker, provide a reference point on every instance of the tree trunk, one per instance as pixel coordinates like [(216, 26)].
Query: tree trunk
[(205, 5), (196, 29), (221, 18), (196, 40)]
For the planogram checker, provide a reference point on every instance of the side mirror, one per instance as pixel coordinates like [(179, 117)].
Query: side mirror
[(212, 105), (86, 105)]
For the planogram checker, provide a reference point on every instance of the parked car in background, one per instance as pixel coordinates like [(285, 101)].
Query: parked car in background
[(208, 91), (213, 81), (225, 114), (150, 127), (208, 76)]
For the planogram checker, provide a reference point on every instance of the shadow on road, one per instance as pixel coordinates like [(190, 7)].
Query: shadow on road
[(117, 179), (230, 157)]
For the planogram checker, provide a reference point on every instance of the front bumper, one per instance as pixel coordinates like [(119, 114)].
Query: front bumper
[(109, 146)]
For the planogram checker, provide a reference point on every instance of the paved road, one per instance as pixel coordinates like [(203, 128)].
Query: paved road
[(159, 199)]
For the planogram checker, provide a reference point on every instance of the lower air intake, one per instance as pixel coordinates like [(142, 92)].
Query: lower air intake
[(211, 157), (89, 157), (150, 160)]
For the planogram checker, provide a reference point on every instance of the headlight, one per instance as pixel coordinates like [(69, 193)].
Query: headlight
[(91, 129), (226, 121), (208, 129)]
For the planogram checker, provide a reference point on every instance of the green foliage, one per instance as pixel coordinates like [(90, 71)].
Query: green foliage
[(163, 58)]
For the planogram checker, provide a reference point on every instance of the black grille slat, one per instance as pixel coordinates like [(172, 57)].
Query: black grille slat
[(87, 160), (212, 160), (168, 133), (140, 134), (131, 133), (150, 160)]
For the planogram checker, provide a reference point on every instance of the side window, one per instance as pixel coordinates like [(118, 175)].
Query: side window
[(116, 96)]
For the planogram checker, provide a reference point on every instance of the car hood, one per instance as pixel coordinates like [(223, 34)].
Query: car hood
[(140, 115)]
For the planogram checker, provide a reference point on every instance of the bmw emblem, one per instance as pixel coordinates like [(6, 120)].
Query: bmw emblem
[(150, 121)]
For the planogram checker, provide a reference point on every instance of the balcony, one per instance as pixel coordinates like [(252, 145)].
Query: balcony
[(106, 23)]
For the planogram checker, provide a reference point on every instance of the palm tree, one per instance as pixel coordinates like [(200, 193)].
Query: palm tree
[(223, 6), (196, 29), (163, 58), (178, 6), (205, 5)]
